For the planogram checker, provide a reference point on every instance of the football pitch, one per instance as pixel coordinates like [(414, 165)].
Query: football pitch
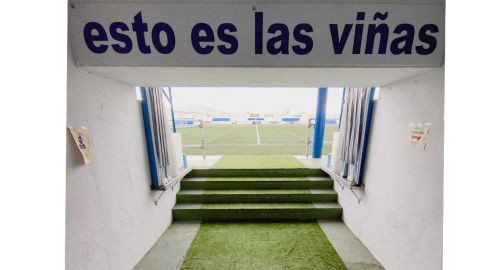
[(252, 139)]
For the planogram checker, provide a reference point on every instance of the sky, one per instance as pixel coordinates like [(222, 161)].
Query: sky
[(255, 99)]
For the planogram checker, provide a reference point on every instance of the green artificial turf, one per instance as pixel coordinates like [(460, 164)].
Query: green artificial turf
[(259, 173), (261, 246), (256, 205), (258, 191), (256, 178), (258, 162)]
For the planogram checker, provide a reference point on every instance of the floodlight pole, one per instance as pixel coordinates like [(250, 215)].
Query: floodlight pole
[(319, 128)]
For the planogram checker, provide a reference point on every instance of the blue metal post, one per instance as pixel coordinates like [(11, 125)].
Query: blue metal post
[(319, 128), (149, 141)]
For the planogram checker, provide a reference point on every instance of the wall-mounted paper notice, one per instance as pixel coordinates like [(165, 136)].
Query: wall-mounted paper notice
[(417, 134), (81, 137)]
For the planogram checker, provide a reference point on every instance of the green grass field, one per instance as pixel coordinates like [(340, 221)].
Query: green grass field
[(251, 139)]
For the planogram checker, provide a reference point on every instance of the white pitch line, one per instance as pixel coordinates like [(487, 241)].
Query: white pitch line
[(258, 135)]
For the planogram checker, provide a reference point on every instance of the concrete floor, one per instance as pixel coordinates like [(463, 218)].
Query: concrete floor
[(354, 254), (169, 251), (312, 162), (198, 162)]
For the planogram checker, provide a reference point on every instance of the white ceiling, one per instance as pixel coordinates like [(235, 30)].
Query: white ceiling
[(256, 77)]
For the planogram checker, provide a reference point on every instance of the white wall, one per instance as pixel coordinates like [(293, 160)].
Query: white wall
[(400, 216), (111, 219)]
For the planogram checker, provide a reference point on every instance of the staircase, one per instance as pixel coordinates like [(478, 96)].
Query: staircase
[(256, 194)]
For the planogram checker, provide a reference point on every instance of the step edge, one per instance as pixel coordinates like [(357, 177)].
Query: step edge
[(182, 206)]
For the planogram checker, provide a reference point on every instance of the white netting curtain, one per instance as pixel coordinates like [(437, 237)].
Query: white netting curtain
[(353, 133), (159, 127)]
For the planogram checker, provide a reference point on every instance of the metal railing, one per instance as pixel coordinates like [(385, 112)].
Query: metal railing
[(311, 122), (202, 136)]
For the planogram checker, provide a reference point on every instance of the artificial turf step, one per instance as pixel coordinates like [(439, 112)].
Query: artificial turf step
[(257, 196), (287, 172), (256, 211), (311, 182)]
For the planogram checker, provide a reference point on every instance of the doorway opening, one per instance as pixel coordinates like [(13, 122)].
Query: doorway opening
[(252, 120)]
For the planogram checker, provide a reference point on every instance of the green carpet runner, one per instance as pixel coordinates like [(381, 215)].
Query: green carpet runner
[(262, 246)]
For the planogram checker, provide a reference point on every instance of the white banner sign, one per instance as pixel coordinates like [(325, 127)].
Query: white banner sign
[(263, 35)]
